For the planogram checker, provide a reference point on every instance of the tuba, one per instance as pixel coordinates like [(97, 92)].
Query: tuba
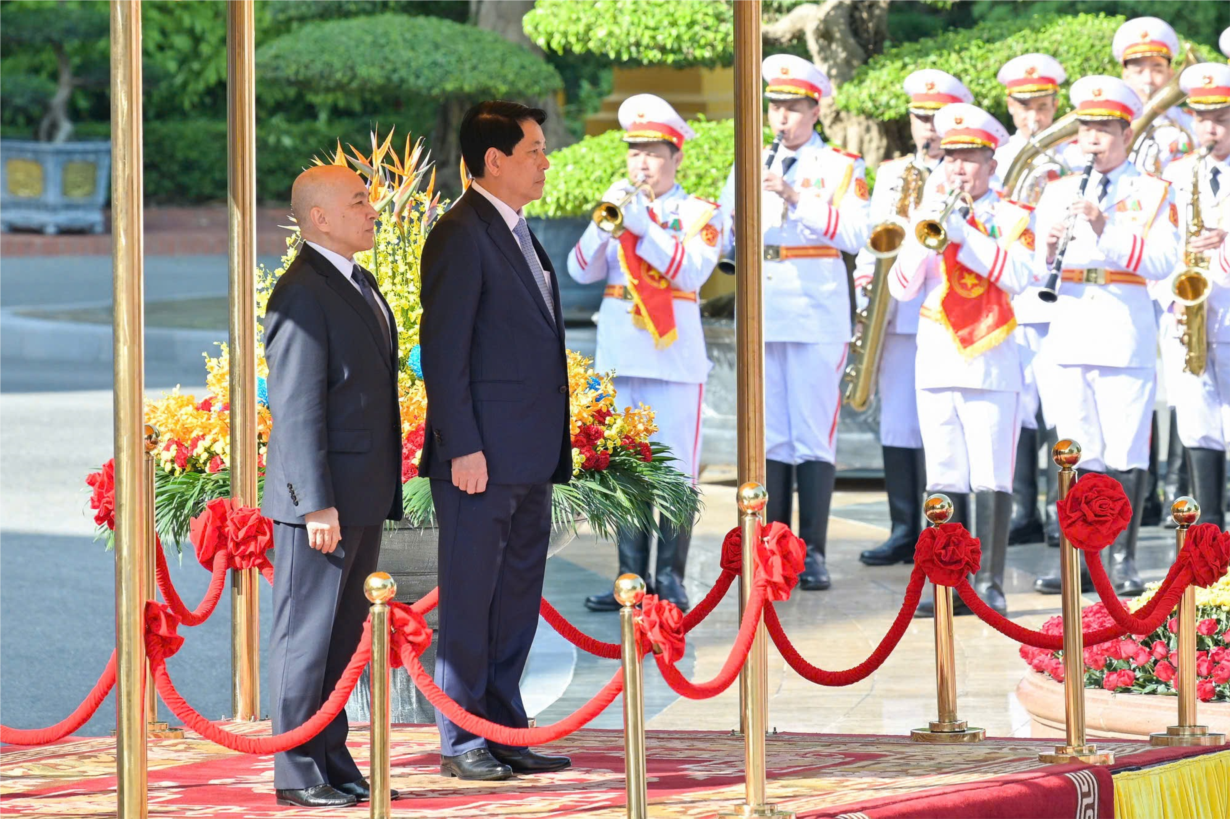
[(1191, 287), (1029, 172), (609, 216), (871, 322), (1143, 127)]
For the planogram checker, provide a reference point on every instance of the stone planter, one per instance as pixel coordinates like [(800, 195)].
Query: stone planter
[(409, 555), (558, 237), (1109, 715), (54, 186)]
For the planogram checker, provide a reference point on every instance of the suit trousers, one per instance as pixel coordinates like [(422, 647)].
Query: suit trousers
[(899, 425), (493, 555), (1038, 374), (1108, 411), (318, 614), (802, 400), (969, 438), (1202, 402)]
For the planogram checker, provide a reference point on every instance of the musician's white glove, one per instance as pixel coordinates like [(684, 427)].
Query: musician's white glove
[(636, 216), (955, 225), (617, 191)]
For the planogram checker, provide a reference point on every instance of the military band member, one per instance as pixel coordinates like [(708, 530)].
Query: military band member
[(813, 206), (1202, 401), (968, 370), (1147, 47), (901, 439), (1103, 336), (649, 329), (1223, 42), (1031, 82)]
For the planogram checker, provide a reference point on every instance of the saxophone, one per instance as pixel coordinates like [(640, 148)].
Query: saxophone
[(1191, 285), (871, 322)]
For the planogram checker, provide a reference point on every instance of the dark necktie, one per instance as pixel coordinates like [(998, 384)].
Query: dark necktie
[(1103, 188), (1214, 181), (522, 234), (360, 280)]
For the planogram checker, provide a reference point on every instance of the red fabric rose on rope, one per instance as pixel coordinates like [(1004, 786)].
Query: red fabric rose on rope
[(947, 553), (249, 536), (102, 501), (732, 551), (409, 629), (162, 638), (208, 531), (780, 558), (1095, 512), (1206, 554), (660, 628)]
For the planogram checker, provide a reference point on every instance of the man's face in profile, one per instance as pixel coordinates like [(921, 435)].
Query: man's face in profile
[(524, 172)]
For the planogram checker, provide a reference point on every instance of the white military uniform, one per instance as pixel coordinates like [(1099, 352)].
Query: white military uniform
[(1168, 139), (806, 298), (1103, 336), (682, 244)]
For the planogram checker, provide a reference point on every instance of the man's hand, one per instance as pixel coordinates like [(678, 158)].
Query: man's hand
[(324, 532), (1092, 213), (1211, 239), (470, 473), (636, 216), (1053, 238), (775, 183)]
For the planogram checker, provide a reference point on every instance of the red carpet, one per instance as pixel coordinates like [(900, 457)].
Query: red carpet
[(692, 774)]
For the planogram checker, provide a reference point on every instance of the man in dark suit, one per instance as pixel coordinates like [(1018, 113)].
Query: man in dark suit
[(333, 473), (497, 437)]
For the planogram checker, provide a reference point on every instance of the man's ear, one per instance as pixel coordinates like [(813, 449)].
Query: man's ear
[(491, 160), (678, 159), (1127, 137)]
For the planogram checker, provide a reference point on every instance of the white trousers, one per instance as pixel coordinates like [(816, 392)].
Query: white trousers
[(898, 401), (802, 400), (969, 438), (1038, 373), (1108, 411), (676, 409), (1202, 403), (1173, 359)]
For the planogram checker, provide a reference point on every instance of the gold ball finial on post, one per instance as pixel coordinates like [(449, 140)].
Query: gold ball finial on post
[(1066, 454), (379, 587), (629, 590), (753, 497), (151, 439), (1185, 511), (938, 508)]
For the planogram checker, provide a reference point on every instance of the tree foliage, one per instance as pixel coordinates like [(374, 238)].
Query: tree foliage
[(404, 55)]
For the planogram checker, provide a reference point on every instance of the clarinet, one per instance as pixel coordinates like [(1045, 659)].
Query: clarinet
[(1050, 293), (727, 263)]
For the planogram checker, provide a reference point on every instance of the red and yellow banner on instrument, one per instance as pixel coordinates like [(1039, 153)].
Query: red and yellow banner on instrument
[(973, 308), (653, 307)]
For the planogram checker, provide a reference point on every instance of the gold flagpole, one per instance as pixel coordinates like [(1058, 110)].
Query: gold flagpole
[(241, 211)]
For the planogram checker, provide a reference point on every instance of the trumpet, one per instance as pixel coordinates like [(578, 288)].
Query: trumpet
[(1191, 285), (609, 216), (726, 264), (1050, 292), (930, 233)]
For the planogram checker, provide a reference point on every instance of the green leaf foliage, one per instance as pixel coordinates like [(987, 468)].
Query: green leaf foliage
[(1080, 42), (581, 173), (25, 24), (404, 55)]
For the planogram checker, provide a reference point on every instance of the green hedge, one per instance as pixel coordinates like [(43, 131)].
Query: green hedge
[(404, 55), (1081, 43), (185, 160)]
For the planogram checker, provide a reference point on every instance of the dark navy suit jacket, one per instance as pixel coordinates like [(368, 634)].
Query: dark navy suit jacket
[(494, 362)]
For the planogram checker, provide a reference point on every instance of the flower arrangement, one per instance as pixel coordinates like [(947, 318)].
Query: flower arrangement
[(1147, 664), (619, 473)]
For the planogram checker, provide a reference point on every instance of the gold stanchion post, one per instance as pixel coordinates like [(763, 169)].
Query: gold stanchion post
[(753, 681), (1185, 513), (1067, 454), (241, 211), (629, 591), (131, 518), (154, 727), (380, 589), (948, 728)]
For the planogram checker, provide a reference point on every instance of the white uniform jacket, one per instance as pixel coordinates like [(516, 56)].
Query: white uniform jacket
[(807, 299), (999, 260), (1113, 324), (1215, 213), (683, 244)]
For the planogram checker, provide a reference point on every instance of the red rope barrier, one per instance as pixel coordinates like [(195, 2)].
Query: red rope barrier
[(734, 662), (502, 734), (66, 726), (213, 594), (849, 676), (278, 742), (1118, 612)]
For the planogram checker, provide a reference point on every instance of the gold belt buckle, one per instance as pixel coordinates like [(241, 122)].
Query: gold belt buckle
[(1095, 275), (772, 253)]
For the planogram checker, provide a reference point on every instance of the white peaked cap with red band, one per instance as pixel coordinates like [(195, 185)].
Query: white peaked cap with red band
[(790, 78), (962, 125), (1099, 97), (649, 118), (1224, 42), (1031, 75), (931, 89), (1207, 86), (1145, 37)]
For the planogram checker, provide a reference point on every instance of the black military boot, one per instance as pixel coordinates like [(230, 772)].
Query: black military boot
[(991, 518), (816, 479), (904, 482), (779, 483), (1176, 484), (1026, 524), (668, 583), (960, 514), (633, 559), (1151, 500), (1207, 468), (1121, 556), (1051, 522)]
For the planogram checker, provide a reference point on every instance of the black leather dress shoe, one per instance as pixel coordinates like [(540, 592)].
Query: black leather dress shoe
[(670, 589), (477, 764), (602, 602), (525, 761), (815, 576), (1052, 584), (926, 608), (361, 790), (317, 796)]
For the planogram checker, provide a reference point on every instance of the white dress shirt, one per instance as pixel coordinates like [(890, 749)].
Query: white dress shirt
[(510, 217), (346, 267)]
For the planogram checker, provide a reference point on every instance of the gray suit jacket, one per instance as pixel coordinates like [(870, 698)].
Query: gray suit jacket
[(336, 437)]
